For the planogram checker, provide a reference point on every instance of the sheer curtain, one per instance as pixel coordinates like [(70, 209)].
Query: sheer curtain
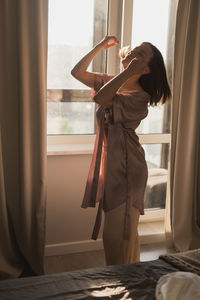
[(23, 60), (185, 146)]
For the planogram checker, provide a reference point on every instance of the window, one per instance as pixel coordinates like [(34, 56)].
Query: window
[(70, 112), (150, 23), (152, 27), (148, 20)]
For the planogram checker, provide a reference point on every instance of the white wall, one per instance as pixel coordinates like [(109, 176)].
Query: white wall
[(68, 227)]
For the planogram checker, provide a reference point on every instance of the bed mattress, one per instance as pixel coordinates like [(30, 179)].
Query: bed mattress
[(133, 281)]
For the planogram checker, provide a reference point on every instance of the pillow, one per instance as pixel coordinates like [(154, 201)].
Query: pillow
[(178, 286)]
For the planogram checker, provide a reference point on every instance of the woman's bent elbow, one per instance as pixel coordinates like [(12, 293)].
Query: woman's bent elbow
[(101, 101)]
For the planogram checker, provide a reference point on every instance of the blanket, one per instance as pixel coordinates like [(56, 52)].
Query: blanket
[(188, 261)]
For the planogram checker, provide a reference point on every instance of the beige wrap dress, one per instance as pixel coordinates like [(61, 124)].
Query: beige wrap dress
[(118, 171)]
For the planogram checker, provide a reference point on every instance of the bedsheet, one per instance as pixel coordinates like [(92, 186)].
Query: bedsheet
[(133, 281)]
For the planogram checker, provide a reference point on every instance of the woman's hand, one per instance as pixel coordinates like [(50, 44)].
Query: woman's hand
[(108, 41), (80, 69), (137, 66)]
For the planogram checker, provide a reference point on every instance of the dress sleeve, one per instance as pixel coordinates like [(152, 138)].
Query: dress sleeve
[(128, 108)]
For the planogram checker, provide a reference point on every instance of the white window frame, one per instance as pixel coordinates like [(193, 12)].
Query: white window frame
[(83, 144)]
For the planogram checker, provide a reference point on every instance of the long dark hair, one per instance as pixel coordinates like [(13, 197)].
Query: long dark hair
[(155, 83)]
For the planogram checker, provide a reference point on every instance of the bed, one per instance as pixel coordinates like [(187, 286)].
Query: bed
[(133, 281)]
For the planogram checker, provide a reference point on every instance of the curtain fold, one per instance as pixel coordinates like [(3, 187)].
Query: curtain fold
[(185, 146), (170, 69), (23, 58)]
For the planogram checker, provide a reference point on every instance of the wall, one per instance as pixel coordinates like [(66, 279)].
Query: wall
[(68, 227)]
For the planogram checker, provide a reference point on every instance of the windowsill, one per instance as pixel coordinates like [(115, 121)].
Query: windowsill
[(84, 144), (148, 228), (70, 149)]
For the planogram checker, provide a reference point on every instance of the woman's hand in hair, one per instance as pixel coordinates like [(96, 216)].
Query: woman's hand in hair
[(138, 66), (80, 70), (108, 41)]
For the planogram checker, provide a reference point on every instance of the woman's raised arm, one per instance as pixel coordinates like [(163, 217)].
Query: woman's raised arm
[(105, 95), (80, 70)]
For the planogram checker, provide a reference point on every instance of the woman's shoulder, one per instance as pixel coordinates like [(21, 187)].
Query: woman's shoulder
[(141, 94)]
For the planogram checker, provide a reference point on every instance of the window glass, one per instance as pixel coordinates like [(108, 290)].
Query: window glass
[(74, 27), (153, 123), (151, 24), (71, 35)]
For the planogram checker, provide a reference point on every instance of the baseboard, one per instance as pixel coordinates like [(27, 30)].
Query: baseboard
[(73, 247), (152, 238), (90, 245)]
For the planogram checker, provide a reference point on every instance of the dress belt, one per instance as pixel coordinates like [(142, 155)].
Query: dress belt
[(97, 224)]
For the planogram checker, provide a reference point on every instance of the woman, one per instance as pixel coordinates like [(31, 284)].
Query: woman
[(118, 172)]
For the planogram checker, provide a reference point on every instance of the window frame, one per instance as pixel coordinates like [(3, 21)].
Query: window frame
[(83, 143)]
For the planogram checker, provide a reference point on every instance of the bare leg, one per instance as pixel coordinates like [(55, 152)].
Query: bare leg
[(118, 250)]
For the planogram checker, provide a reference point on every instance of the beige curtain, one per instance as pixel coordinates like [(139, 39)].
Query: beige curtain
[(185, 146), (23, 62), (170, 65)]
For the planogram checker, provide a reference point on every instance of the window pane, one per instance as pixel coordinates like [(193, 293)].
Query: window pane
[(70, 118), (157, 158), (151, 25), (72, 33), (153, 123)]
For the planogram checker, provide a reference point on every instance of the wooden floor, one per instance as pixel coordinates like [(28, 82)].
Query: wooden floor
[(92, 259)]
